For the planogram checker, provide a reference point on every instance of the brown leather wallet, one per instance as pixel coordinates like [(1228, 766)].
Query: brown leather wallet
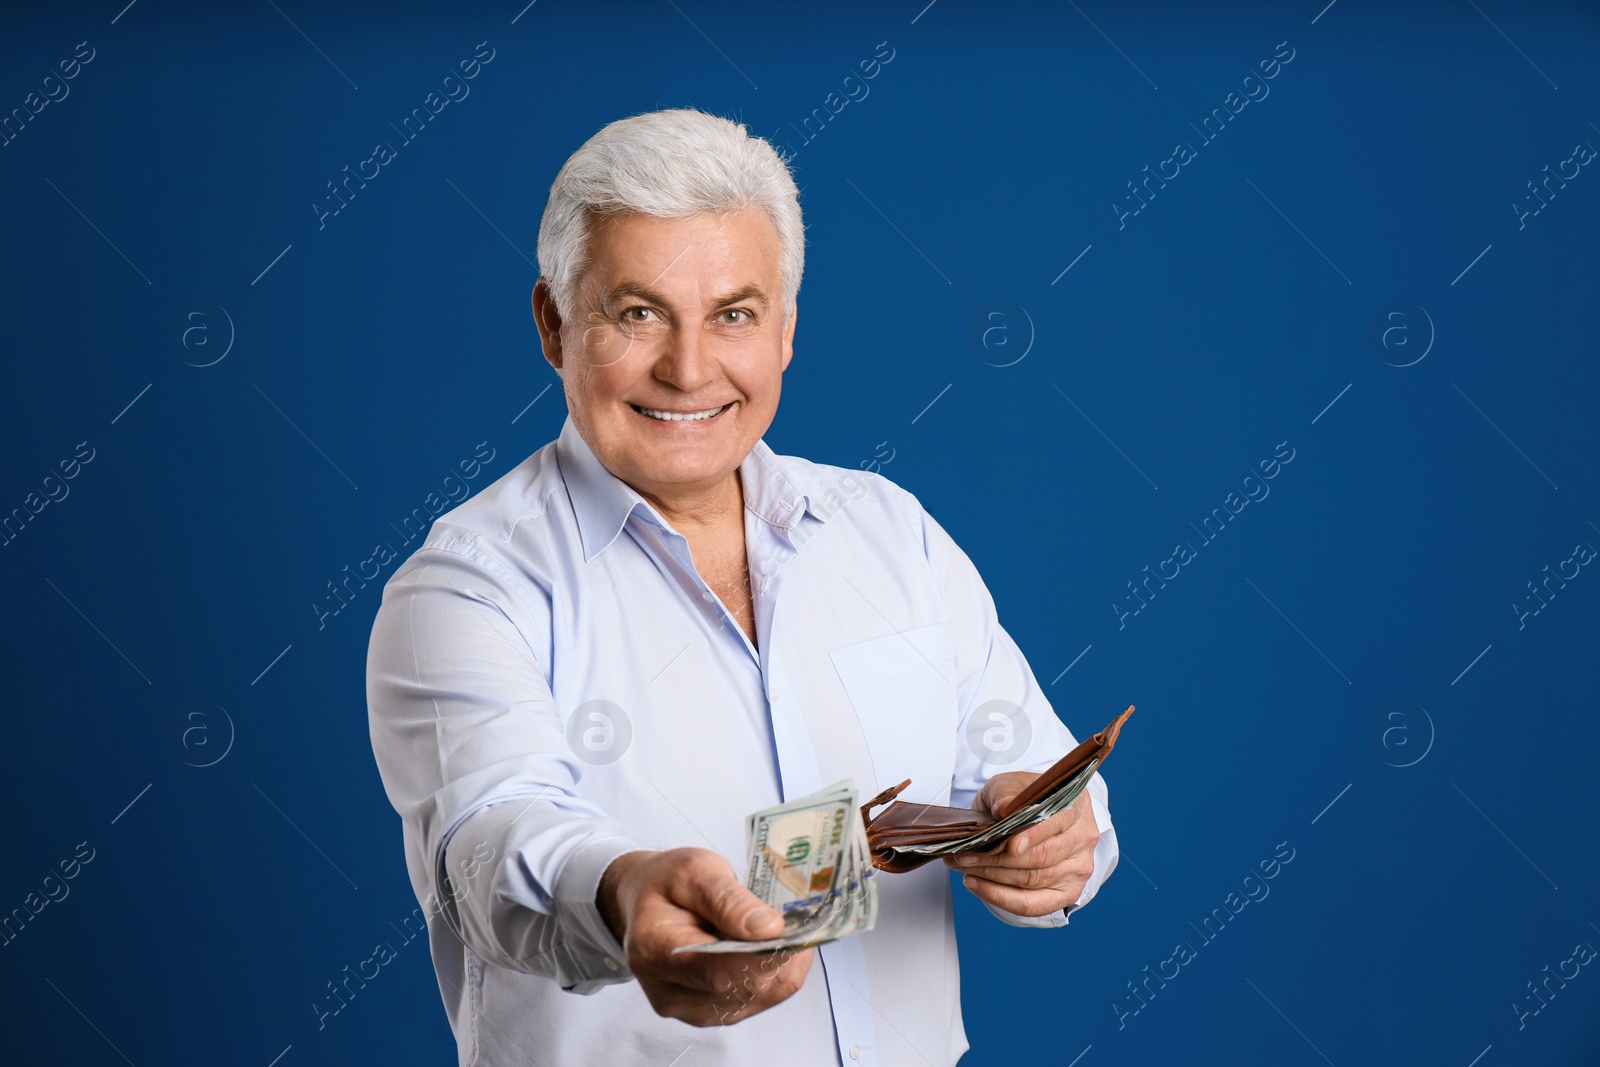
[(902, 825)]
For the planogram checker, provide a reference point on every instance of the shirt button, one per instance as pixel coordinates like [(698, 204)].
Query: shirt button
[(611, 963), (855, 1052), (708, 596)]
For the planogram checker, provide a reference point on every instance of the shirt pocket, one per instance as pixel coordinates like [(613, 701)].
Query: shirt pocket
[(902, 688)]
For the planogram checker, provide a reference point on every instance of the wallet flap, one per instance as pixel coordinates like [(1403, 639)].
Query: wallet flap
[(902, 824), (919, 835), (1097, 747), (901, 815)]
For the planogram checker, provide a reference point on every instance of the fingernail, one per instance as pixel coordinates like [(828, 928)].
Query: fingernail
[(1022, 844), (755, 922), (965, 860)]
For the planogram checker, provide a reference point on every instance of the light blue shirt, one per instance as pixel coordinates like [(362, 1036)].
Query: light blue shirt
[(551, 684)]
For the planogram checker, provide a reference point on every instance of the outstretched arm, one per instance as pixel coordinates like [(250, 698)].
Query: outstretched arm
[(503, 849)]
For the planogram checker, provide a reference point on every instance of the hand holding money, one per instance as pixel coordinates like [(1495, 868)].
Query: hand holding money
[(807, 859), (655, 902), (807, 872), (903, 835), (1042, 868)]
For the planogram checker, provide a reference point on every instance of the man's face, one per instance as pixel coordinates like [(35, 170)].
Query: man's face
[(672, 355)]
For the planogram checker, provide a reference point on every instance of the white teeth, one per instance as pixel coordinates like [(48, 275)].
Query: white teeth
[(680, 416)]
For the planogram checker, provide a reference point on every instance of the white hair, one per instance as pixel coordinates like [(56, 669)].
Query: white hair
[(671, 164)]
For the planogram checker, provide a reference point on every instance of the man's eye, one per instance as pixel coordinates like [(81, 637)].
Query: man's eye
[(637, 314), (737, 316)]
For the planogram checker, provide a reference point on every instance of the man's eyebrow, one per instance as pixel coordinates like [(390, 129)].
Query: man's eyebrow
[(751, 293), (624, 290)]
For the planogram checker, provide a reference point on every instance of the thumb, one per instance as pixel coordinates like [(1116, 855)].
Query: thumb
[(717, 896), (997, 793)]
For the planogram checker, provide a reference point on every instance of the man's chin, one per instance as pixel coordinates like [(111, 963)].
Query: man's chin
[(694, 473), (688, 450)]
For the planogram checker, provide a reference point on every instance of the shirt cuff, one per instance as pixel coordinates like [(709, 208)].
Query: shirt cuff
[(1106, 851), (1037, 922), (579, 913)]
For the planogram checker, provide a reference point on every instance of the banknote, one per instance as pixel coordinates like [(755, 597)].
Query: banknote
[(996, 833), (808, 860)]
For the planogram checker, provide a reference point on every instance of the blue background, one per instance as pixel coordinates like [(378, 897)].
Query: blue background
[(161, 647)]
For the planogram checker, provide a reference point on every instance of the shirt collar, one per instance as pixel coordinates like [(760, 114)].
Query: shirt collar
[(603, 502)]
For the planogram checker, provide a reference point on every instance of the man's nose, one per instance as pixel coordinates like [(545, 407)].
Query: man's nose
[(686, 361)]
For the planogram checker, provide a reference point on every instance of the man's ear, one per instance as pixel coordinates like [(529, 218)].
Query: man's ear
[(788, 334), (548, 320)]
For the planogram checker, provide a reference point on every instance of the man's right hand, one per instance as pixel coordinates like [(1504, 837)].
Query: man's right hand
[(656, 901)]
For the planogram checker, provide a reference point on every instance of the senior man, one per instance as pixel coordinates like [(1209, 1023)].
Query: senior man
[(591, 672)]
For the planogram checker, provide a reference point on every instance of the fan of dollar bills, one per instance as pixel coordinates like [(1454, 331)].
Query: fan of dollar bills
[(808, 860), (1002, 830)]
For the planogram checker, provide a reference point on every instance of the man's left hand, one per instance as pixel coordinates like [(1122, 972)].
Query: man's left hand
[(1042, 869)]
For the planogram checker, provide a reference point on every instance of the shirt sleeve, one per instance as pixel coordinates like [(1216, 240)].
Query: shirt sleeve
[(1005, 722), (473, 756)]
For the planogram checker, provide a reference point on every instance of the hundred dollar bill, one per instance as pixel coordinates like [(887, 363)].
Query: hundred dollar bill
[(808, 860)]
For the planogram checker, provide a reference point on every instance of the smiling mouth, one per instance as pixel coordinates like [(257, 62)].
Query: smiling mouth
[(663, 415)]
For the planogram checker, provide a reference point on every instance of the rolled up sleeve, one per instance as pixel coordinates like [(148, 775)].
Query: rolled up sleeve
[(500, 845)]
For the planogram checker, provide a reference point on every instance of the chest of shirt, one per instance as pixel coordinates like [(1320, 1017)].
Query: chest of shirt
[(680, 727)]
